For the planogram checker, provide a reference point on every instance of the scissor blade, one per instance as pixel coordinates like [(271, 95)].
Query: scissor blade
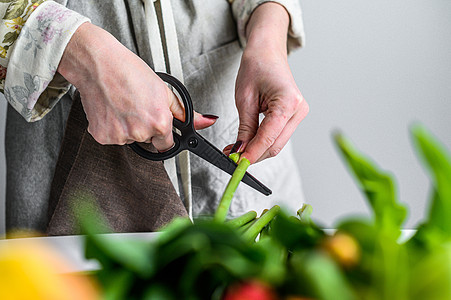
[(213, 155)]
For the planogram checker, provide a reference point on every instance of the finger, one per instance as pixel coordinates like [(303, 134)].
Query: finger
[(283, 138), (129, 141), (162, 136), (271, 127), (266, 135), (238, 147), (227, 149), (249, 122), (203, 121), (173, 144), (176, 106), (163, 143), (108, 136)]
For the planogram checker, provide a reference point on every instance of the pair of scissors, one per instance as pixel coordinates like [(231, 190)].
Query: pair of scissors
[(189, 139)]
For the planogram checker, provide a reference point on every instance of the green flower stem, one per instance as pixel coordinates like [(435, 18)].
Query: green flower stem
[(252, 232), (246, 226), (243, 219), (235, 157), (226, 200)]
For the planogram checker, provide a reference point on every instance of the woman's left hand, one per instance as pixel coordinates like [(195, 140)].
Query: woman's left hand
[(265, 85)]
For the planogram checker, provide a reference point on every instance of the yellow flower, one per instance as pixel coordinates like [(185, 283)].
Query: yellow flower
[(31, 8), (2, 52), (31, 270), (16, 24)]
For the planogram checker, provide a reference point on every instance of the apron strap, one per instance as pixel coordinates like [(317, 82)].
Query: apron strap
[(166, 58)]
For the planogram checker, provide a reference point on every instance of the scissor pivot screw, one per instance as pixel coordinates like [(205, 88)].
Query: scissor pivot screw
[(192, 142)]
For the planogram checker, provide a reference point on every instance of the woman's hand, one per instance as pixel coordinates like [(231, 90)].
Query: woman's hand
[(124, 100), (265, 85)]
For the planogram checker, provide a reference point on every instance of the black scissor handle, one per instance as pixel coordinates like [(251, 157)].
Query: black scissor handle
[(186, 99), (189, 115)]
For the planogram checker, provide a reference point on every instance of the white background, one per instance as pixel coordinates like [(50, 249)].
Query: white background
[(370, 69)]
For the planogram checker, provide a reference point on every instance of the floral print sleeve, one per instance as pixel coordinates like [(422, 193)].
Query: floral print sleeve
[(14, 15), (242, 10), (32, 46)]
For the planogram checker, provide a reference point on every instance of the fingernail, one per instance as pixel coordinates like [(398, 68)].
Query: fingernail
[(213, 117), (237, 147)]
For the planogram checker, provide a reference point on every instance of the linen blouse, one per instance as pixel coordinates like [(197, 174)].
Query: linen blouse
[(36, 32), (209, 33)]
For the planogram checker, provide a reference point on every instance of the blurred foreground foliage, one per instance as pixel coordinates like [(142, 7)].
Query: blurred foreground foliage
[(292, 257)]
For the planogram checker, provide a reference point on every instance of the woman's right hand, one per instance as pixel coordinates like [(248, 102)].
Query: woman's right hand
[(124, 100)]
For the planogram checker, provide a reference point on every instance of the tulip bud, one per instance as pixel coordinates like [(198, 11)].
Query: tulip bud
[(250, 290), (344, 249)]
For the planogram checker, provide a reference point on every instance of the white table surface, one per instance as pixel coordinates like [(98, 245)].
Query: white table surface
[(71, 248)]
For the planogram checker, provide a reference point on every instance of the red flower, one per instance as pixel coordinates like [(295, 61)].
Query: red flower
[(250, 290)]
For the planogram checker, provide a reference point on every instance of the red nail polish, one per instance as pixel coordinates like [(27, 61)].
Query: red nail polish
[(237, 147), (213, 117)]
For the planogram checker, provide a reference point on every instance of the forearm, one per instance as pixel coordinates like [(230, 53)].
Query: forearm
[(267, 29)]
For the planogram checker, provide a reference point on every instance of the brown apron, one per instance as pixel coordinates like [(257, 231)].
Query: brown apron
[(134, 194)]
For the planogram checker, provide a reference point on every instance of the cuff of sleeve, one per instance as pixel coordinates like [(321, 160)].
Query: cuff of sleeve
[(242, 11), (32, 85)]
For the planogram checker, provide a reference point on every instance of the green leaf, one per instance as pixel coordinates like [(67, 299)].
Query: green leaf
[(319, 276), (160, 292), (431, 275), (274, 268), (118, 285), (362, 230), (204, 256), (135, 256), (437, 160), (174, 229), (131, 255), (10, 37), (305, 212), (15, 9), (378, 187), (293, 234)]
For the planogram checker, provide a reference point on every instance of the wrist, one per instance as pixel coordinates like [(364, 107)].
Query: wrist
[(82, 54), (267, 29)]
